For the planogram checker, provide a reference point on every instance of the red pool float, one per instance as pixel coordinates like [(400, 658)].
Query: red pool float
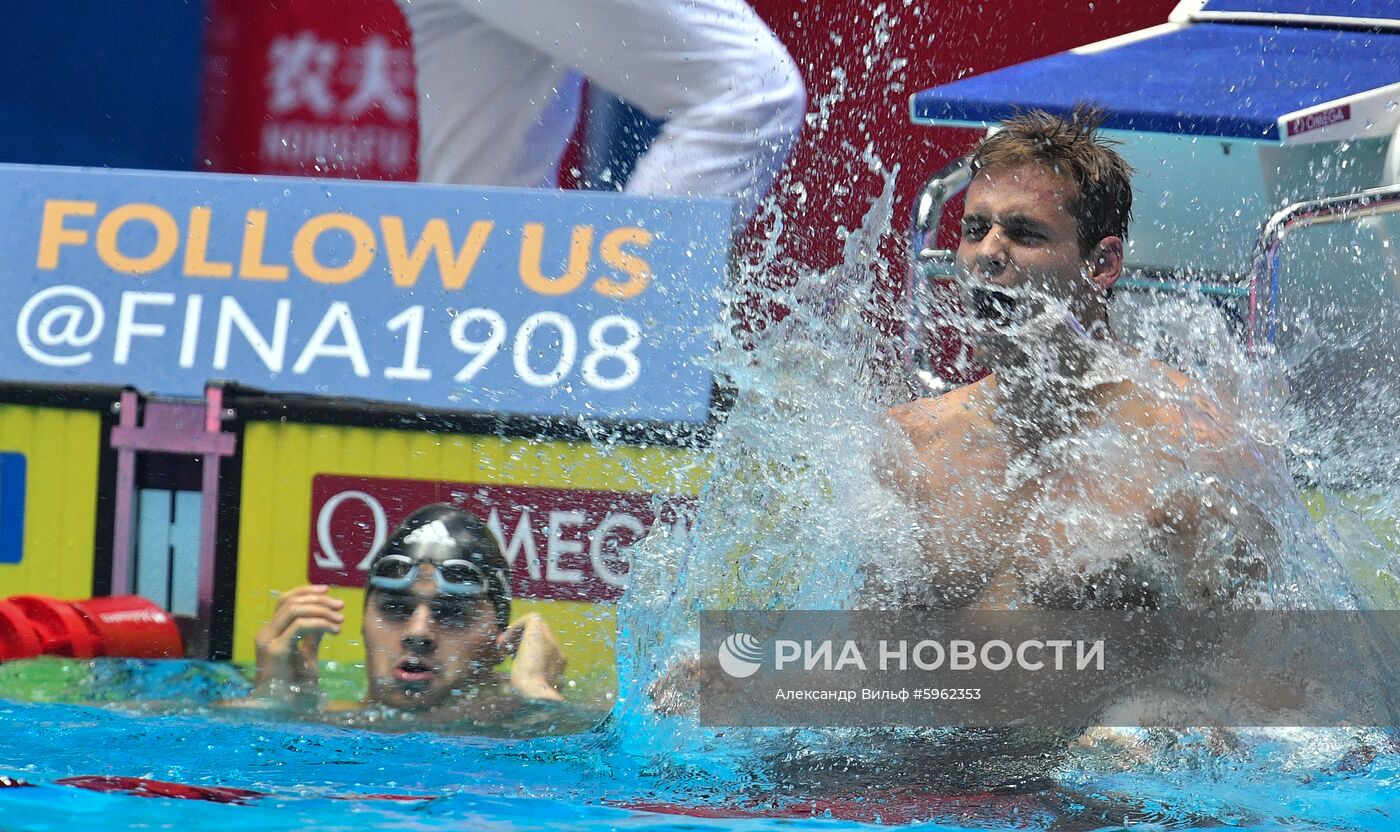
[(120, 625)]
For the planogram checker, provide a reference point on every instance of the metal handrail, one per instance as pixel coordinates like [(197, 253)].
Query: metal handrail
[(1263, 284), (952, 180), (946, 184)]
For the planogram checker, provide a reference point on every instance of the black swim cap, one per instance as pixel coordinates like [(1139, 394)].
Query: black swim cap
[(441, 532)]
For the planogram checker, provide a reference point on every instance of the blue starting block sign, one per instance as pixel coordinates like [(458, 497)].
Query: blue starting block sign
[(496, 300), (1287, 72), (12, 483)]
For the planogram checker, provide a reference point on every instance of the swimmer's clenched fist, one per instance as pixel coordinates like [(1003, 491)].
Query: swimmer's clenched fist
[(288, 646), (679, 689)]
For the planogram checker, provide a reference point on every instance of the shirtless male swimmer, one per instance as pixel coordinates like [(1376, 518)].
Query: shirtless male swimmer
[(1077, 474)]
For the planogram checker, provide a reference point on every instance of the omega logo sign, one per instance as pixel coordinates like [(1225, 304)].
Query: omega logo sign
[(1317, 121)]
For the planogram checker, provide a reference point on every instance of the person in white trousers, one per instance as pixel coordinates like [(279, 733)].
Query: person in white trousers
[(498, 90)]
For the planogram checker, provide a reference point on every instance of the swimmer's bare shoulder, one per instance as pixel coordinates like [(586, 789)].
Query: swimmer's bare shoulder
[(927, 419), (941, 429), (936, 431)]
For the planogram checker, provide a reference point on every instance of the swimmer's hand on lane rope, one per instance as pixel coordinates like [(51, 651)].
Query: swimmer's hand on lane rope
[(288, 646), (538, 668)]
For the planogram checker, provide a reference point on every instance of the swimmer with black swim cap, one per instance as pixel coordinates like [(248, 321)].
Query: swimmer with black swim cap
[(436, 624)]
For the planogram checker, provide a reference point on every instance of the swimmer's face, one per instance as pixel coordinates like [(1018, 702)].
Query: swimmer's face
[(422, 645), (1018, 234)]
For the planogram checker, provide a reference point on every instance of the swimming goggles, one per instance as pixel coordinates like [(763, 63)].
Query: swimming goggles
[(454, 577)]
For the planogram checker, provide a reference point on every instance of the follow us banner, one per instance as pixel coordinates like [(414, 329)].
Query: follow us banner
[(519, 302)]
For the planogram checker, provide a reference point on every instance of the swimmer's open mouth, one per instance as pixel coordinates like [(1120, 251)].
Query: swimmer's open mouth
[(414, 671), (995, 307)]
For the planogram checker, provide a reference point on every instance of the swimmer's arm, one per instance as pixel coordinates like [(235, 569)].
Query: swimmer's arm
[(1219, 522), (256, 702)]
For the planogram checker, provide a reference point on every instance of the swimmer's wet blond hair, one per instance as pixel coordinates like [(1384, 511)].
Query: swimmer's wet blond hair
[(1072, 147)]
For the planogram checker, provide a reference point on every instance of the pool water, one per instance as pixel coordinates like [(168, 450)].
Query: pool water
[(88, 763)]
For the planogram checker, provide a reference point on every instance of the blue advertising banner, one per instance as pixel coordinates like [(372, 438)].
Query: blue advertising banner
[(522, 302), (12, 477)]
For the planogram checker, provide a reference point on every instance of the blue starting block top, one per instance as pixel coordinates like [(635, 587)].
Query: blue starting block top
[(1381, 14), (1289, 81)]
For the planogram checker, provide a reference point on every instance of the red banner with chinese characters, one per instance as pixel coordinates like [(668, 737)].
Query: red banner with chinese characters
[(309, 88), (562, 544)]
